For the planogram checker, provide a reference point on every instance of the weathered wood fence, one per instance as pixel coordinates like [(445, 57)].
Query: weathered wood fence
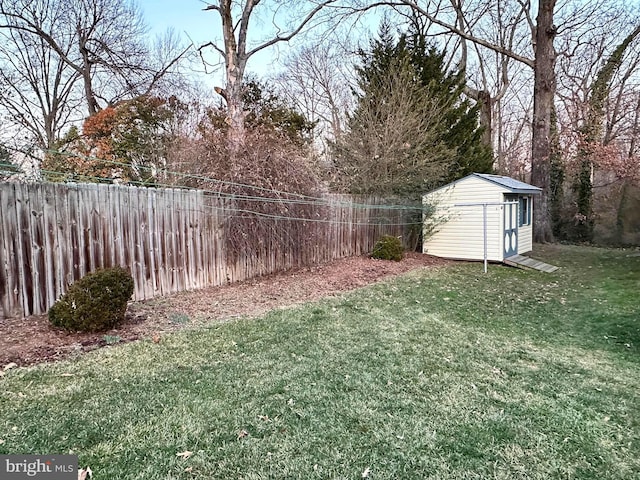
[(170, 239)]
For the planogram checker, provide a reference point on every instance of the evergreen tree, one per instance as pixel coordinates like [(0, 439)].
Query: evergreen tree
[(461, 130), (392, 144), (387, 149)]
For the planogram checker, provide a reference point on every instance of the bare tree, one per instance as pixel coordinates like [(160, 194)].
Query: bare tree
[(393, 145), (314, 80), (109, 51), (592, 132), (538, 53), (597, 73), (513, 113), (37, 89), (488, 71), (543, 33), (236, 47), (544, 89), (598, 92), (631, 134)]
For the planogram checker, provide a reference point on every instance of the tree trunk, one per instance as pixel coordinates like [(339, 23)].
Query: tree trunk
[(235, 110), (235, 61), (235, 54), (543, 97), (486, 116), (89, 95)]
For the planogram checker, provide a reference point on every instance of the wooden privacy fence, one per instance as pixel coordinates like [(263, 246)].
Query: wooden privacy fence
[(171, 240)]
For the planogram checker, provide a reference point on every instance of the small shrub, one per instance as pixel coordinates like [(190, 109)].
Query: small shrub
[(388, 248), (95, 303)]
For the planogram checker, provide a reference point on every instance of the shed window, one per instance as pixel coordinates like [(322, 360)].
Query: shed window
[(525, 211)]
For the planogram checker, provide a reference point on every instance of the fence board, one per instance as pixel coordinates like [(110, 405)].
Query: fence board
[(144, 245), (9, 290), (162, 210), (171, 240), (153, 245), (23, 249), (36, 244), (5, 282), (64, 270), (51, 245)]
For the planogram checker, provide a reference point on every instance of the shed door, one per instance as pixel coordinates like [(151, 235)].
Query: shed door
[(510, 225)]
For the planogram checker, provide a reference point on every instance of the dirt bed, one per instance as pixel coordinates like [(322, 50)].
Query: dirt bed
[(33, 340)]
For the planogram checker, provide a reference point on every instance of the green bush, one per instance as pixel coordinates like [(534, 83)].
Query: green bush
[(95, 303), (388, 248)]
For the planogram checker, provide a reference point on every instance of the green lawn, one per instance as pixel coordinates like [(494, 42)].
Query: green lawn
[(443, 374)]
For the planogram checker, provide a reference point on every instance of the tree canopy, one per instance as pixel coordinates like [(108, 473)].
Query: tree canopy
[(128, 142), (265, 109), (412, 128)]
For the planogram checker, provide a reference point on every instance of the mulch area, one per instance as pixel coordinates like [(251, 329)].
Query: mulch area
[(33, 340)]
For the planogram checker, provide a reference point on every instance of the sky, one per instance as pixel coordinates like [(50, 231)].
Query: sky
[(185, 16), (193, 24), (189, 21)]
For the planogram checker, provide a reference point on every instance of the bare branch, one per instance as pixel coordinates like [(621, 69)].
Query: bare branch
[(222, 53), (452, 28), (235, 32), (286, 38)]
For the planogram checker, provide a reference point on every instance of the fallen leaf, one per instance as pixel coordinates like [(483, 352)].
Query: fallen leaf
[(188, 469), (156, 339), (184, 455), (9, 366), (242, 434), (85, 473), (264, 418), (366, 472)]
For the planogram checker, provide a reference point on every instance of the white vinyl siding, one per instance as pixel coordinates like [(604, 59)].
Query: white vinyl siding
[(458, 230)]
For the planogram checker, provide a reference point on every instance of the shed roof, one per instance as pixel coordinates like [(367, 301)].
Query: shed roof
[(516, 186), (510, 184)]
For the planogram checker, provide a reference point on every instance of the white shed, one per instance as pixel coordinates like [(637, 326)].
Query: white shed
[(479, 213)]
